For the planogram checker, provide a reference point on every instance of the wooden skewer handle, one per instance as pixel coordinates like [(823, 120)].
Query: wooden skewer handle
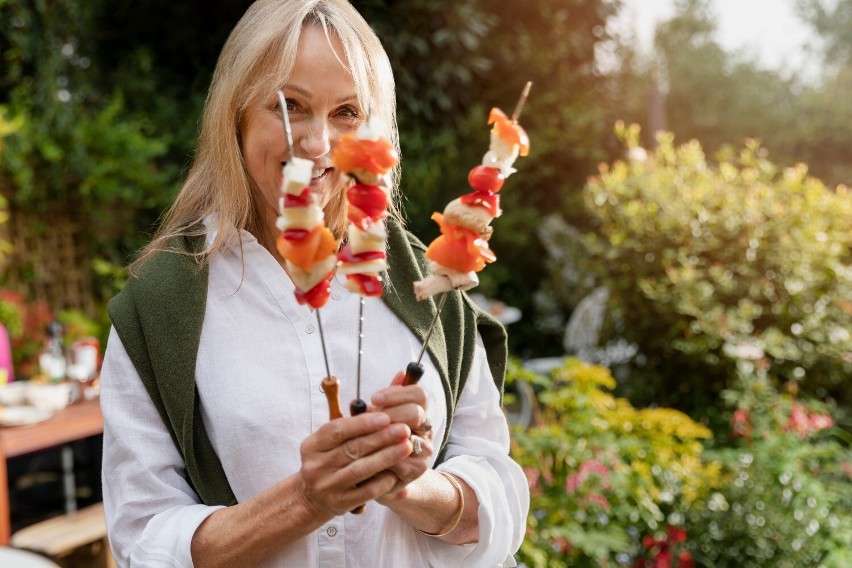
[(413, 372), (331, 387)]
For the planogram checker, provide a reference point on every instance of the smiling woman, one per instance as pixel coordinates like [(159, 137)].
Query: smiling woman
[(321, 108), (217, 445)]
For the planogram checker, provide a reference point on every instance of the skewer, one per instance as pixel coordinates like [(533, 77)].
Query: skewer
[(521, 101), (285, 118), (358, 406), (414, 370), (330, 384)]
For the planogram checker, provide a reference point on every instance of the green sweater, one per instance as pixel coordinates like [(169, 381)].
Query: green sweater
[(160, 312)]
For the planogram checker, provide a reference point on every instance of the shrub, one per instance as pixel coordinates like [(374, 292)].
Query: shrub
[(612, 484), (604, 475), (783, 498), (702, 260)]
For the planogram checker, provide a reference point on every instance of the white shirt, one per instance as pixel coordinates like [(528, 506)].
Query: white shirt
[(259, 367)]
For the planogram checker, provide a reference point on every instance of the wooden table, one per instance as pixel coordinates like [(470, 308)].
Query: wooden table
[(75, 422)]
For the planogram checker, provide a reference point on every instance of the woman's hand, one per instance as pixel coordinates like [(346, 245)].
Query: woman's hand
[(347, 452), (406, 405)]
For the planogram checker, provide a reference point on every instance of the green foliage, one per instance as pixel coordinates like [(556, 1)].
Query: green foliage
[(615, 485), (77, 148), (704, 260), (602, 473), (783, 495)]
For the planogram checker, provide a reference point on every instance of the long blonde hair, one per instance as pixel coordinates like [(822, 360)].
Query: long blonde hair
[(255, 61)]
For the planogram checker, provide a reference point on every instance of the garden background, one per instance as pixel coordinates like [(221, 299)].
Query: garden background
[(687, 207)]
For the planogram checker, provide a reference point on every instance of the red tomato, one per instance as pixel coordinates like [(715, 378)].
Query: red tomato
[(370, 201), (302, 200), (484, 178), (317, 296), (370, 286), (346, 255), (486, 199)]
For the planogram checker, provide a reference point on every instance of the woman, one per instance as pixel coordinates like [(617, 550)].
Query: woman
[(218, 449)]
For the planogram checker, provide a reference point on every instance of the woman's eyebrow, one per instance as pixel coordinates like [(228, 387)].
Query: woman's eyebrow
[(307, 94)]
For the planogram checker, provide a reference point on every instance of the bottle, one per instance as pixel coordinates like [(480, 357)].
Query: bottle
[(52, 362)]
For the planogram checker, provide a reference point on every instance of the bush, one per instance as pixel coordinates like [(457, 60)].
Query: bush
[(702, 260), (614, 485), (604, 476), (783, 498)]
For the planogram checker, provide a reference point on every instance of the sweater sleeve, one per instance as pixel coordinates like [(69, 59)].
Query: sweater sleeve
[(151, 510), (478, 453)]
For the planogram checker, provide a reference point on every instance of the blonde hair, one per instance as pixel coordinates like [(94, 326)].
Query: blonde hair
[(255, 61)]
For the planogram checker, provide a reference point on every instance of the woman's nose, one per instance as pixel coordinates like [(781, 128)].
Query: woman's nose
[(315, 139)]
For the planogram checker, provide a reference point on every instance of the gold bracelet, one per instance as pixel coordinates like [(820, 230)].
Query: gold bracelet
[(458, 516)]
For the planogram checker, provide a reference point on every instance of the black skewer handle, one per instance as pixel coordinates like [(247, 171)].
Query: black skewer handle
[(413, 373), (357, 407)]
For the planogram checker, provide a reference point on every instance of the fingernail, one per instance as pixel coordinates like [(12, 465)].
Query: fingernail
[(378, 399)]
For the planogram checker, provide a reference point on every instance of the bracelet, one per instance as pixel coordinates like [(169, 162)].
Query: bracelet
[(458, 515)]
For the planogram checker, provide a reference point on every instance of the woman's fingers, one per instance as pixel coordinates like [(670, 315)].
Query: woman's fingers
[(347, 461), (402, 404), (336, 432)]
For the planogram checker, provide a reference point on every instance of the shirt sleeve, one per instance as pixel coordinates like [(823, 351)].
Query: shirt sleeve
[(478, 453), (151, 511)]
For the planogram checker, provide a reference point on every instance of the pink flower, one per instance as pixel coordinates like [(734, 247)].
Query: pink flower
[(798, 423), (595, 499), (586, 469), (741, 423), (532, 477), (821, 422), (804, 424)]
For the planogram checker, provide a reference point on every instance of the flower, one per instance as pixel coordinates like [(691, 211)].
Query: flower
[(572, 482), (804, 424), (741, 423)]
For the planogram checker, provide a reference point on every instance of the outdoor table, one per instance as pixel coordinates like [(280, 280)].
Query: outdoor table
[(74, 422)]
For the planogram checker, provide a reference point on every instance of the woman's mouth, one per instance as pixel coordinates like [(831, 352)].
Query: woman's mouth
[(318, 174)]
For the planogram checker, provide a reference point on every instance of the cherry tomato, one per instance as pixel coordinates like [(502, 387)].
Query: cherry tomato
[(484, 178)]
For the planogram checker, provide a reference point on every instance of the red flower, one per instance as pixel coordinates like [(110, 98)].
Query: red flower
[(741, 423)]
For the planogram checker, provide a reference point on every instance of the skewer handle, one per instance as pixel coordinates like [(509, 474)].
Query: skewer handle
[(331, 387), (413, 372), (357, 407)]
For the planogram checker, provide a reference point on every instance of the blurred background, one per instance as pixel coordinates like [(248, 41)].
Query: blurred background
[(677, 243)]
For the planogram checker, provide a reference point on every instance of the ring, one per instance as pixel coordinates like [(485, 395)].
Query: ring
[(425, 427), (415, 441)]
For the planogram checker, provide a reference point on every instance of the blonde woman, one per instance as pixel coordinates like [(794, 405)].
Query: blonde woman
[(218, 450)]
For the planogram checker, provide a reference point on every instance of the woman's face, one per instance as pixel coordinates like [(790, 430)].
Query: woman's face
[(322, 105)]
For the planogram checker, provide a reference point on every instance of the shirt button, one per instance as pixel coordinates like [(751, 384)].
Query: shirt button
[(335, 296), (331, 531), (309, 329)]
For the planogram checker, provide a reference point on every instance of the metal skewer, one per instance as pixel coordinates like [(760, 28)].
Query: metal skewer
[(330, 384), (521, 101), (414, 371), (358, 406), (285, 118)]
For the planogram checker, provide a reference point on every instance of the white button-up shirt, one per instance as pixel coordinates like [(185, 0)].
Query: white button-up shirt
[(258, 374)]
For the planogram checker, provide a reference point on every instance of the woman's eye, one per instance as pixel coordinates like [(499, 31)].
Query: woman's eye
[(350, 113)]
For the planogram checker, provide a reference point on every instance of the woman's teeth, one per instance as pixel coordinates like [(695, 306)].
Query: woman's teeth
[(317, 173)]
